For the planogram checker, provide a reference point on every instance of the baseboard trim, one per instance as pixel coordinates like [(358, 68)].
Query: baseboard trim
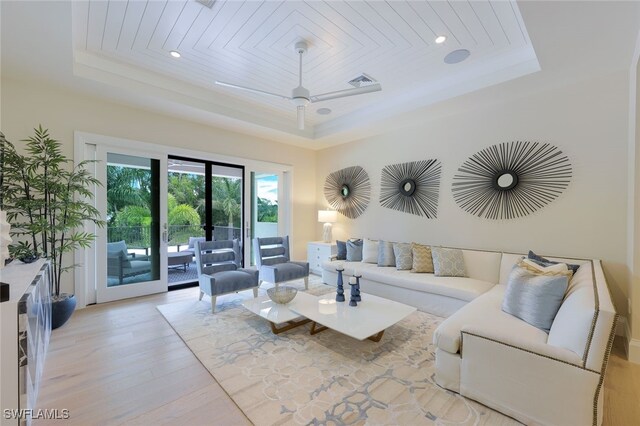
[(633, 353), (622, 328)]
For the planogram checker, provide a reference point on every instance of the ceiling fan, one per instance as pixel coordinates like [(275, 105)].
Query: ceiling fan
[(300, 96)]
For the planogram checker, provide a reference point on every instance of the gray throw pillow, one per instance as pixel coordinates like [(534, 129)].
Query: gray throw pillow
[(354, 250), (385, 254), (448, 262), (342, 250), (404, 256), (546, 262), (533, 297)]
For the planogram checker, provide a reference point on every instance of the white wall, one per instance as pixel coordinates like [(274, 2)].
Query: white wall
[(25, 104), (587, 120)]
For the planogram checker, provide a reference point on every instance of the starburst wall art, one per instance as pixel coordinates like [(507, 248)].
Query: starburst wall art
[(412, 187), (511, 179), (348, 191)]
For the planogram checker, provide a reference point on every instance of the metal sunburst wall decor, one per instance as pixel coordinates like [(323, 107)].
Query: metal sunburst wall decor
[(412, 187), (511, 179), (348, 191)]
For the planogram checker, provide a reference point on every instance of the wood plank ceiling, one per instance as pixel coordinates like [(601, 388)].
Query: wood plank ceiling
[(251, 43)]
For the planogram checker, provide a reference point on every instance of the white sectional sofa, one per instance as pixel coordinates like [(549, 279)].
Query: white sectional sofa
[(497, 359)]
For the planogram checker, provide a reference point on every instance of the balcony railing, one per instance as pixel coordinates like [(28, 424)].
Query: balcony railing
[(140, 236)]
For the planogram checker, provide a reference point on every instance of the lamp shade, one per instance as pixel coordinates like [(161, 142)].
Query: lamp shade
[(327, 216)]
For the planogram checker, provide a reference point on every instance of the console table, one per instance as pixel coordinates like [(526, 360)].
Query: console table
[(25, 329)]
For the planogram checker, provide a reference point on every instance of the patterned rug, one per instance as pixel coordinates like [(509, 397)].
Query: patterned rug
[(328, 378)]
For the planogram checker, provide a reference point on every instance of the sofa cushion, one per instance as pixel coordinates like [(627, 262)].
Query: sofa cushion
[(484, 311), (354, 250), (482, 265), (534, 293), (342, 250), (369, 251), (422, 260), (543, 261), (460, 288), (350, 268), (385, 254), (573, 321), (448, 262), (404, 256)]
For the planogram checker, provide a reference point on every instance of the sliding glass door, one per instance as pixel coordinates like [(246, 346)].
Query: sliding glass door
[(205, 202), (130, 248), (266, 214)]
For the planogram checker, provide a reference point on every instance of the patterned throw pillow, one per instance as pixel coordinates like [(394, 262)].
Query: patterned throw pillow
[(385, 254), (342, 250), (534, 293), (354, 250), (546, 262), (404, 256), (370, 251), (448, 262), (422, 261)]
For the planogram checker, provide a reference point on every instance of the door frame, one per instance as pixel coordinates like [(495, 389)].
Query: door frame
[(104, 293), (84, 148)]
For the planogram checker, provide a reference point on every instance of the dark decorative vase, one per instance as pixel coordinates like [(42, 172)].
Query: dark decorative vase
[(356, 289), (61, 309), (353, 301), (340, 292)]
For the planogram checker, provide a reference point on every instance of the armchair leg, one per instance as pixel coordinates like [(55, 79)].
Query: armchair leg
[(255, 292), (201, 294), (213, 304), (306, 283), (260, 283)]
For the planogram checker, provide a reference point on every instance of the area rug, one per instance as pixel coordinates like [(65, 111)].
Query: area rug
[(328, 378)]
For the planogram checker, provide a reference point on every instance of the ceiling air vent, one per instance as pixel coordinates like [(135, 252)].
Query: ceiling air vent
[(207, 3), (362, 80)]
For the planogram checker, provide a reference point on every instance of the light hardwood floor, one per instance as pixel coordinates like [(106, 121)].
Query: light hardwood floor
[(121, 363)]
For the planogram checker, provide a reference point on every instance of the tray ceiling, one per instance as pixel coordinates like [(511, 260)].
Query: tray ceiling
[(251, 43)]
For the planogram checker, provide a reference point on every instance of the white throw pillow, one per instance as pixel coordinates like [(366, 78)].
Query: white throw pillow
[(370, 251)]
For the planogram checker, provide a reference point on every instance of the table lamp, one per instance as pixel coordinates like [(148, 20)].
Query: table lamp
[(327, 217)]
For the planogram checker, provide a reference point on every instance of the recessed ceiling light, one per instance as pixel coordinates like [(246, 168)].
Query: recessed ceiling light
[(323, 111), (441, 39), (175, 54)]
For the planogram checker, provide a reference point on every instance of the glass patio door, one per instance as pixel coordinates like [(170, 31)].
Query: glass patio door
[(266, 214), (131, 249)]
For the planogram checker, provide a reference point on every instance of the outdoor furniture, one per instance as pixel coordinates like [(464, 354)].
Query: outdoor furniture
[(191, 247), (274, 264), (179, 259), (122, 264), (219, 271)]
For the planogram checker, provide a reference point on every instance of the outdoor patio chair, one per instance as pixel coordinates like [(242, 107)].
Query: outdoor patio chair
[(274, 263), (122, 264), (219, 270)]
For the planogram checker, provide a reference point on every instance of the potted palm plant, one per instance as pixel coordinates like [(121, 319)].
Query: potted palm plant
[(46, 199)]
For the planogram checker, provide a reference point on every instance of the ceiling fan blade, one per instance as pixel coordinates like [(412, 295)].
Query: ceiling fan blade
[(344, 93), (301, 117), (249, 89)]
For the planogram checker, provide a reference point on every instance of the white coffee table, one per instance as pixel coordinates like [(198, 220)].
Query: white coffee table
[(368, 320), (276, 314)]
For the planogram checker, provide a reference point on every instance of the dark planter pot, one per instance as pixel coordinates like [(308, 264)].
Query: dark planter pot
[(61, 309)]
